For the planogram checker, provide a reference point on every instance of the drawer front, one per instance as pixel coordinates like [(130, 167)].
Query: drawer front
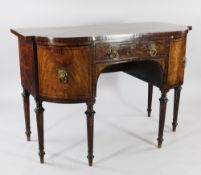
[(116, 51), (64, 73)]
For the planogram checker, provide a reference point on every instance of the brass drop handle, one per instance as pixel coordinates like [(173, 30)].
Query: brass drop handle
[(113, 52), (62, 75), (152, 50), (184, 61)]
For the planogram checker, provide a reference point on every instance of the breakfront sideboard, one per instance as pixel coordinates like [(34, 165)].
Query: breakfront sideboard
[(62, 65)]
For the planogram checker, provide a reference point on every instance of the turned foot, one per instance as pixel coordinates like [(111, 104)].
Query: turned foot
[(150, 92), (25, 96), (163, 101), (90, 130), (39, 118), (177, 91)]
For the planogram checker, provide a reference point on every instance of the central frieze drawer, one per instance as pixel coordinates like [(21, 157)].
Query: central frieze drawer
[(114, 51)]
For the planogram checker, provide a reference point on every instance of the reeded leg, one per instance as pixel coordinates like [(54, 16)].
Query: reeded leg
[(150, 92), (163, 101), (25, 96), (39, 118), (90, 130), (177, 91)]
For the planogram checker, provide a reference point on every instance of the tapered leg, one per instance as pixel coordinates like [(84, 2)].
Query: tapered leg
[(150, 92), (25, 96), (163, 101), (177, 91), (90, 130), (39, 118)]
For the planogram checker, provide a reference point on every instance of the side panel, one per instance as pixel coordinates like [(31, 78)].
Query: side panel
[(26, 59), (176, 63)]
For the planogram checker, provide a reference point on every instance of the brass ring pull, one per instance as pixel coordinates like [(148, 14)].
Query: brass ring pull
[(113, 52), (62, 75), (152, 50)]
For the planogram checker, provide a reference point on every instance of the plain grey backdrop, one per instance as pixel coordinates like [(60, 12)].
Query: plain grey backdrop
[(125, 139)]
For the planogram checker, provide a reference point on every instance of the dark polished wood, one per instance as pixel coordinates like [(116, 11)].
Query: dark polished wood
[(39, 118), (150, 92), (90, 130), (163, 101), (27, 70), (128, 50), (25, 95), (63, 65), (98, 32), (177, 91)]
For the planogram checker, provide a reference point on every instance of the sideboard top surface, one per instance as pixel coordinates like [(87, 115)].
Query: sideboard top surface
[(99, 31)]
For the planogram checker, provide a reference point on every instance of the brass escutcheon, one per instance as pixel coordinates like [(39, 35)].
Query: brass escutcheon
[(62, 75), (152, 50)]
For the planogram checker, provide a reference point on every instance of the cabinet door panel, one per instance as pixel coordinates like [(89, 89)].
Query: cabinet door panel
[(64, 72)]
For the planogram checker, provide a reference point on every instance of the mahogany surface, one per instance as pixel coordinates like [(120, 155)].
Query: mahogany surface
[(100, 30), (63, 65)]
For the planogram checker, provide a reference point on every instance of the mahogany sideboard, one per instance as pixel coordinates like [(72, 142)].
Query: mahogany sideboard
[(62, 65)]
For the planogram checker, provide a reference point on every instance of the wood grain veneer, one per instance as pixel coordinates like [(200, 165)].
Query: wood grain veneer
[(63, 65)]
